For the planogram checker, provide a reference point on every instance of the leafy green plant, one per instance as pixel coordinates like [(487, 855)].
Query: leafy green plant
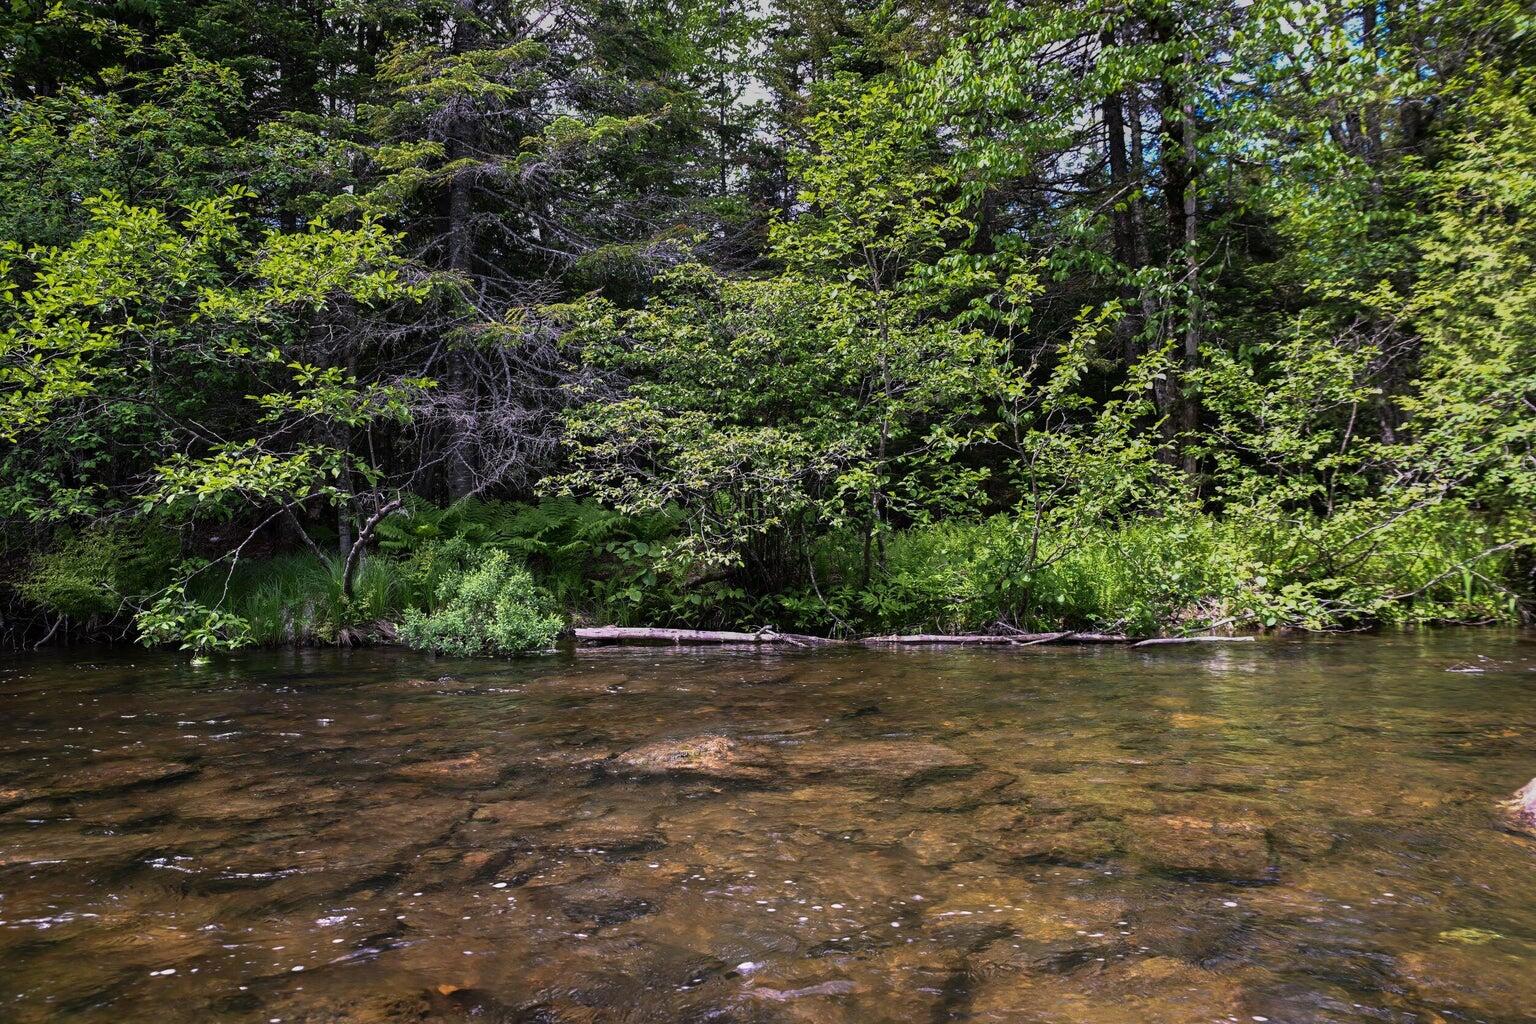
[(586, 555), (175, 619), (97, 572), (491, 607)]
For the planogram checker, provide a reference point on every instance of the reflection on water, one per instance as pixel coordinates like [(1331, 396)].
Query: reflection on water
[(1288, 831)]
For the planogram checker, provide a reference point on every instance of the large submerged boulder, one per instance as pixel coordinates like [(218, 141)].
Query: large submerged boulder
[(722, 758)]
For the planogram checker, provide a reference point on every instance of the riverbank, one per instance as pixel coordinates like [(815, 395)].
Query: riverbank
[(762, 637), (1153, 578)]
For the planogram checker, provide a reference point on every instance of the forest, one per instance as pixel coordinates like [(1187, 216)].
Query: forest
[(456, 322)]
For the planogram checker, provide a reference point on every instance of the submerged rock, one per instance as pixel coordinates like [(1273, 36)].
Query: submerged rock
[(1520, 810), (1306, 840), (1233, 850), (959, 795), (610, 835), (932, 847), (1132, 992), (897, 760), (602, 909), (1059, 839), (472, 771), (525, 814), (99, 779), (1490, 981), (712, 756), (835, 987)]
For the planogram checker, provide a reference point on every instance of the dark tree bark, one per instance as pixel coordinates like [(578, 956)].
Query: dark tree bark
[(1122, 218), (458, 232), (1179, 166)]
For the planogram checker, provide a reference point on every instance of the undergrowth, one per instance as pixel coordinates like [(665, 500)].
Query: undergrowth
[(485, 576), (298, 598)]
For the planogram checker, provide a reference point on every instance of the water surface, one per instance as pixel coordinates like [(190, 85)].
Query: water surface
[(1283, 831)]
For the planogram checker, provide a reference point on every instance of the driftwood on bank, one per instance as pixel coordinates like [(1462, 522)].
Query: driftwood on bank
[(1161, 641), (643, 634), (945, 638), (646, 634), (1011, 640)]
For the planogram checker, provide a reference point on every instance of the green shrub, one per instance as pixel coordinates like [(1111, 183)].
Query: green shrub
[(95, 573), (583, 554), (174, 619), (958, 577), (492, 607), (429, 562), (1444, 563)]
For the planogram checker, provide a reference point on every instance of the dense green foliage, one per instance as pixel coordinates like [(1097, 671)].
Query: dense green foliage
[(320, 320), (489, 607)]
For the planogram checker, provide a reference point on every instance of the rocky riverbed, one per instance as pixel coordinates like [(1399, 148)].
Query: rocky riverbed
[(1284, 832)]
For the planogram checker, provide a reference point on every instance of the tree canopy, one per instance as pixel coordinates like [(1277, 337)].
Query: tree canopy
[(826, 313)]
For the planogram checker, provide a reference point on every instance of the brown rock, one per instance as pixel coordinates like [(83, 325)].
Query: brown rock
[(523, 813), (1306, 840), (933, 847), (897, 760), (471, 771), (717, 757), (1153, 989), (111, 776), (835, 987), (1484, 981), (1059, 839), (955, 795), (604, 907), (616, 834), (1231, 850)]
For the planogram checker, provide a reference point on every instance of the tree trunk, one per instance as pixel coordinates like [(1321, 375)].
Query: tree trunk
[(458, 227), (1190, 404), (1179, 157), (343, 530), (1123, 223)]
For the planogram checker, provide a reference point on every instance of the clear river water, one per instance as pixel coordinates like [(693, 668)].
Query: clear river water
[(1288, 831)]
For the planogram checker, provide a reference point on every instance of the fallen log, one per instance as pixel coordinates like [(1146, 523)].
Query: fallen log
[(634, 634), (1163, 641), (648, 634), (1036, 639), (947, 638), (1011, 640), (1097, 638)]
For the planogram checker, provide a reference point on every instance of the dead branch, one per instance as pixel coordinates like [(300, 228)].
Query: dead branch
[(1012, 640), (642, 634), (354, 555), (1163, 641)]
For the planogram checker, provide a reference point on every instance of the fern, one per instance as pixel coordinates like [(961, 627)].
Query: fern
[(578, 550)]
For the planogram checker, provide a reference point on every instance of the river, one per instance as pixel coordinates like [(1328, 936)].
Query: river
[(1290, 831)]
